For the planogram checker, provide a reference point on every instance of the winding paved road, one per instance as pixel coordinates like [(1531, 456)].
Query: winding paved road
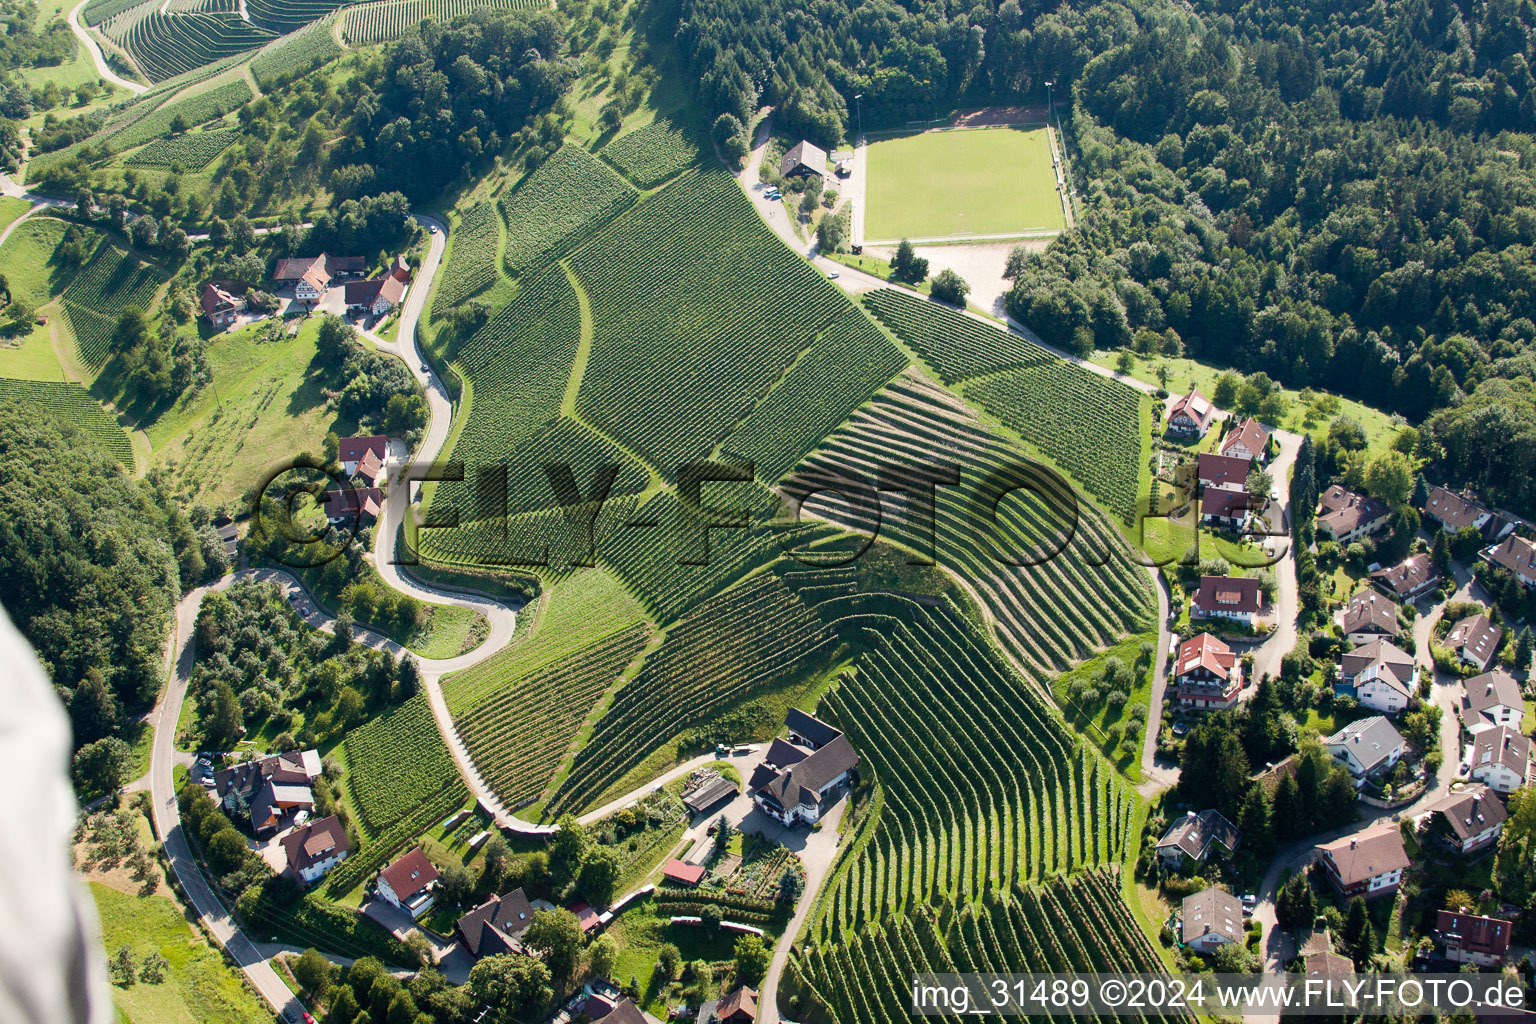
[(94, 49)]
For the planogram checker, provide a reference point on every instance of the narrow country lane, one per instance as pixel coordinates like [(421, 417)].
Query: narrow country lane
[(94, 49)]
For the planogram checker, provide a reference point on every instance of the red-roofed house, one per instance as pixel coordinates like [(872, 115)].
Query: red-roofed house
[(1191, 415), (1516, 554), (351, 450), (1223, 471), (316, 848), (1345, 516), (1228, 597), (588, 918), (680, 873), (1408, 580), (309, 276), (376, 296), (1469, 939), (1225, 509), (1248, 441), (409, 883), (220, 305), (1208, 673), (347, 504), (1368, 863)]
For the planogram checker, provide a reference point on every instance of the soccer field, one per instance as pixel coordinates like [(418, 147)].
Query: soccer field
[(989, 181)]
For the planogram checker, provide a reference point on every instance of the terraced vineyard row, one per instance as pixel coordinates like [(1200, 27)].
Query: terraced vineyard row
[(1054, 610), (110, 280), (191, 151), (381, 22), (72, 404), (568, 197), (395, 762), (471, 264), (1068, 925), (650, 155), (296, 53), (98, 11), (166, 45), (752, 636), (959, 347), (197, 109), (698, 311), (284, 16), (849, 363)]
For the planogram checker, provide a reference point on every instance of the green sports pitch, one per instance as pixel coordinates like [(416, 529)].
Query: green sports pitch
[(959, 184)]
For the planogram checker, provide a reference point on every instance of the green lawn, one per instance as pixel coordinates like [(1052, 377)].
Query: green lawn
[(879, 267), (28, 260), (199, 988), (30, 357), (993, 181), (640, 932), (10, 209)]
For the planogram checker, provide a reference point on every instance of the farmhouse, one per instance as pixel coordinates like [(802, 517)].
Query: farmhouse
[(1516, 554), (1458, 511), (1318, 965), (1223, 471), (1249, 440), (803, 158), (220, 305), (1209, 919), (1469, 939), (1227, 597), (1409, 580), (1366, 747), (1501, 758), (1208, 673), (793, 782), (314, 849), (1191, 839), (601, 1008), (1191, 415), (370, 469), (353, 504), (378, 295), (1345, 516), (495, 926), (352, 450), (1380, 675), (1370, 616), (309, 276), (269, 789), (1368, 863), (1224, 509), (1490, 700), (739, 1006), (1469, 821), (1475, 640), (410, 883)]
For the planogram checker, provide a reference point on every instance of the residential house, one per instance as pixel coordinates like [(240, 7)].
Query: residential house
[(220, 305), (1366, 747), (1227, 510), (599, 1007), (1501, 758), (1409, 580), (808, 731), (1191, 415), (1516, 554), (1475, 640), (351, 451), (268, 790), (679, 873), (1192, 838), (1470, 939), (1248, 440), (315, 848), (1207, 673), (1368, 863), (1210, 919), (1228, 597), (346, 266), (362, 505), (1318, 965), (309, 276), (793, 783), (1469, 821), (739, 1006), (1491, 699), (410, 883), (1346, 517), (1370, 616), (370, 470), (1455, 512), (803, 158), (495, 926), (376, 296), (1381, 675), (1222, 471)]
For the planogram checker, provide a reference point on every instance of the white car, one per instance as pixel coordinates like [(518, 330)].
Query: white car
[(432, 228), (832, 275)]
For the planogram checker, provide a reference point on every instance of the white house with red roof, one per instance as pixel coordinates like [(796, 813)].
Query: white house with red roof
[(314, 849), (1191, 414), (1207, 673), (1223, 471), (1368, 863), (1239, 598), (351, 450), (410, 883), (1248, 440)]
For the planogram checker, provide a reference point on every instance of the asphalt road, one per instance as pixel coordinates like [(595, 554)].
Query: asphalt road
[(94, 49)]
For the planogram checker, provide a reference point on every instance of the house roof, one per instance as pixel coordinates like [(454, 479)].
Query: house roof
[(806, 153), (1229, 594), (346, 264), (349, 501), (1371, 740), (1407, 577), (410, 874), (1194, 833), (491, 927), (218, 299), (1491, 689), (585, 915), (1369, 611), (799, 784), (709, 794), (1205, 651), (364, 293), (351, 449), (1476, 636), (816, 731), (370, 467), (1194, 405), (1504, 745), (1211, 910), (1516, 554), (782, 753), (1360, 857), (309, 844), (1224, 503), (294, 268), (1393, 665), (675, 870), (1223, 469), (1454, 511), (622, 1012), (1250, 433), (1472, 811), (400, 269), (1481, 934), (740, 1000), (247, 778), (1328, 963), (1343, 511)]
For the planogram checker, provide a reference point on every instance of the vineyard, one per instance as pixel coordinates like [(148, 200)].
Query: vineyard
[(197, 109), (1066, 925), (694, 298), (192, 151), (98, 11), (396, 762), (660, 150), (959, 347), (387, 20), (285, 16), (471, 264), (110, 280), (295, 54), (166, 45), (1057, 608), (571, 195), (70, 403), (847, 364)]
